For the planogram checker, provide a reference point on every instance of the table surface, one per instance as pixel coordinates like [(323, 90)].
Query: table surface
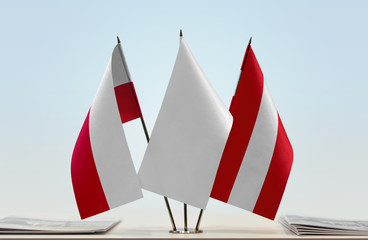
[(217, 226)]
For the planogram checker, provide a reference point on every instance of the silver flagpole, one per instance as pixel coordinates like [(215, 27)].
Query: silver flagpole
[(146, 132)]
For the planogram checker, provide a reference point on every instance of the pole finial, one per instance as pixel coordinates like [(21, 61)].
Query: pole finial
[(118, 39), (181, 33), (250, 41)]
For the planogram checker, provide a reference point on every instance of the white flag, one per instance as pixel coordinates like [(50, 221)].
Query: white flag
[(188, 138)]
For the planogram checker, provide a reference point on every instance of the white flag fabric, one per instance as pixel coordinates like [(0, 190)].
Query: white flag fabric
[(188, 138), (102, 169)]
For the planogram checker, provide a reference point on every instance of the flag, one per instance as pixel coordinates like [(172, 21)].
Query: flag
[(257, 159), (102, 170), (188, 137)]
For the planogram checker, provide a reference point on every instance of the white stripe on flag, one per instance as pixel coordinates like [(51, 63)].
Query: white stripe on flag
[(257, 158), (118, 67), (110, 149)]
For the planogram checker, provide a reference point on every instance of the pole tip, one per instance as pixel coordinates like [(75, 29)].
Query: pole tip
[(118, 39), (181, 33), (250, 41)]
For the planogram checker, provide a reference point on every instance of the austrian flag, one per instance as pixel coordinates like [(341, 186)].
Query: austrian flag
[(103, 174), (257, 158)]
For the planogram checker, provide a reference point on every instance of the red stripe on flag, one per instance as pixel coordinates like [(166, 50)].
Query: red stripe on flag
[(278, 173), (244, 108), (88, 190), (128, 104)]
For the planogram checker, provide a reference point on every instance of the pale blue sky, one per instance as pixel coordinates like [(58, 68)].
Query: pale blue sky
[(313, 55)]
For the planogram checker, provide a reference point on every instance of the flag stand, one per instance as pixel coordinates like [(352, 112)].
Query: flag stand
[(147, 136), (186, 230)]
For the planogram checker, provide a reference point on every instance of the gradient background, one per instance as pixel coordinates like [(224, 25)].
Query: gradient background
[(313, 55)]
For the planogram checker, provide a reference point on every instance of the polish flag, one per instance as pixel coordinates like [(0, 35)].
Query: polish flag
[(257, 159), (102, 169)]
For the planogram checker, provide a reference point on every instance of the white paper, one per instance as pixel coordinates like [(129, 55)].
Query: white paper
[(322, 226), (35, 225)]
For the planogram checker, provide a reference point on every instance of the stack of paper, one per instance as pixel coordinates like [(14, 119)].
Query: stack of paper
[(43, 226), (322, 226)]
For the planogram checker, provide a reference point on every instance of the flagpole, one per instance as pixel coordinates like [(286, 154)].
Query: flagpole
[(185, 205), (242, 67), (145, 132), (199, 220), (185, 218)]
